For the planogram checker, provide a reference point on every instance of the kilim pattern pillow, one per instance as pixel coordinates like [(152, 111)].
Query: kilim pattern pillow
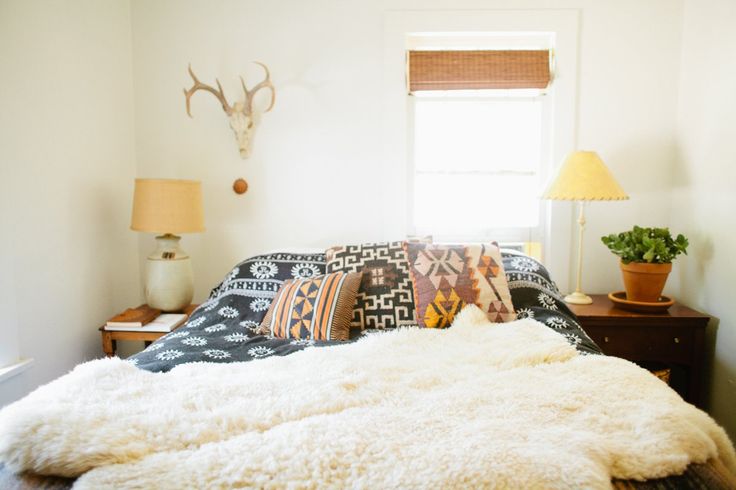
[(319, 308), (447, 277), (385, 298)]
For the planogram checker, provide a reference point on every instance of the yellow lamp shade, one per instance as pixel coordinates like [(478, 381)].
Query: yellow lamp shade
[(584, 177), (167, 206)]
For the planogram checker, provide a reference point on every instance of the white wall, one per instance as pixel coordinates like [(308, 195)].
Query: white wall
[(703, 197), (67, 163), (629, 67), (319, 173)]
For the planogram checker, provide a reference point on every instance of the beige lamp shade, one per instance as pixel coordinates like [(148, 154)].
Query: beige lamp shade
[(584, 177), (167, 206)]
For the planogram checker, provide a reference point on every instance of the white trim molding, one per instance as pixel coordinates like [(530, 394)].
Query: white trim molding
[(15, 369)]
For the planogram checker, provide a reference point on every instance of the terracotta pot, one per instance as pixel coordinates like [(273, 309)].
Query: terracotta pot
[(644, 281)]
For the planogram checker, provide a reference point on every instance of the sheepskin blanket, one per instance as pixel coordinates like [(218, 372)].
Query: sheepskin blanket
[(482, 405)]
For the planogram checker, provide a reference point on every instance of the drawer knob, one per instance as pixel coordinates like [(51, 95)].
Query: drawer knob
[(677, 340), (605, 339)]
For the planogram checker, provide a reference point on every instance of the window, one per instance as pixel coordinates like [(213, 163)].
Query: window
[(480, 155)]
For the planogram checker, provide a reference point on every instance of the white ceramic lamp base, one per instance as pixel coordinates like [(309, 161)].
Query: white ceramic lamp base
[(169, 278), (578, 298)]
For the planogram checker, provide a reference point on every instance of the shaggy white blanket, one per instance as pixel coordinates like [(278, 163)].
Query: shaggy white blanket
[(484, 405)]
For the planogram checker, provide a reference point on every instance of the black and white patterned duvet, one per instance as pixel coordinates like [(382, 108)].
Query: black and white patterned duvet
[(223, 328), (536, 296)]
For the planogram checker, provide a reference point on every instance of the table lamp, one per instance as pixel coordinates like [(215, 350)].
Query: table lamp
[(168, 207), (583, 177)]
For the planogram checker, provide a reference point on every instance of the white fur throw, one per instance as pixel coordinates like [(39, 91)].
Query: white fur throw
[(496, 405)]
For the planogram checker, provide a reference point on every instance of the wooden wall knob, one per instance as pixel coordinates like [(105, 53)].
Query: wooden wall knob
[(240, 186)]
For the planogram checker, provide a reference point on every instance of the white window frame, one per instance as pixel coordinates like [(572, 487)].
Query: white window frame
[(564, 25)]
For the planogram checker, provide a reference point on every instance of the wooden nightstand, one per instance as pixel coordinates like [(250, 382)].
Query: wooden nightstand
[(673, 338), (110, 337)]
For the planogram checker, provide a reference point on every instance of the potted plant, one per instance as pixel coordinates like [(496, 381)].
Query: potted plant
[(646, 259)]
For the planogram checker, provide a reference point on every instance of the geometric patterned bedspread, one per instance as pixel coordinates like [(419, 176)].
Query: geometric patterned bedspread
[(223, 328)]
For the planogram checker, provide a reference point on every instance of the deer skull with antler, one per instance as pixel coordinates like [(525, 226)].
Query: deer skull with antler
[(242, 117)]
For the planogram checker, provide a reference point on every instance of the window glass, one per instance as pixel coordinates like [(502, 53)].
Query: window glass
[(477, 164), (477, 134)]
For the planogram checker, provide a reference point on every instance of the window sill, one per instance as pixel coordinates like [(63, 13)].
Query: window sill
[(15, 369)]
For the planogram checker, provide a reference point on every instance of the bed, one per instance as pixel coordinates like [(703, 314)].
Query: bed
[(543, 346)]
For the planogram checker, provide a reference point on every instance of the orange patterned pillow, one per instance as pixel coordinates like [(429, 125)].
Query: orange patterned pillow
[(447, 277), (318, 308)]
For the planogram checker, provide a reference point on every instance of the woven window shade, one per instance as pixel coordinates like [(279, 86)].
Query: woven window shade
[(468, 70)]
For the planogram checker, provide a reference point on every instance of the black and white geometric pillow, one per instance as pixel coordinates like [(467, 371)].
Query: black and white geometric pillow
[(385, 298)]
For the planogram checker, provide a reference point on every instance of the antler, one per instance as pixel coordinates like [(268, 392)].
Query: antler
[(201, 86), (266, 83)]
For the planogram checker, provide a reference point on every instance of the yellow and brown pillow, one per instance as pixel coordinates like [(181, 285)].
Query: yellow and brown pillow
[(318, 308), (448, 277)]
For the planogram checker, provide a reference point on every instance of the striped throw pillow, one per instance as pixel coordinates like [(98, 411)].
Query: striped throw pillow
[(318, 308)]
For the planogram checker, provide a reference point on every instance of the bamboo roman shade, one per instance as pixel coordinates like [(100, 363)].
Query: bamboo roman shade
[(472, 70)]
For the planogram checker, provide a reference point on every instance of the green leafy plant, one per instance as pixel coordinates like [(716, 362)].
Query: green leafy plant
[(652, 245)]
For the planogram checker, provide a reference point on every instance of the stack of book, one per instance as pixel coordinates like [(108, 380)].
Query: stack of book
[(145, 319)]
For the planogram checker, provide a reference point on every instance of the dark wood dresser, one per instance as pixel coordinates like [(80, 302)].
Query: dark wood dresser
[(674, 339)]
